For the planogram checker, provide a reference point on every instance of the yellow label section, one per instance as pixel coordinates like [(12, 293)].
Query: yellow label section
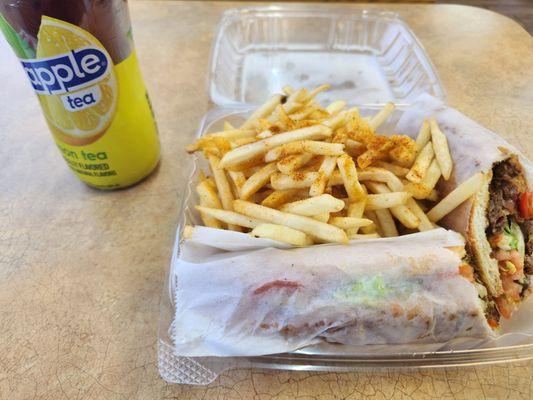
[(128, 150)]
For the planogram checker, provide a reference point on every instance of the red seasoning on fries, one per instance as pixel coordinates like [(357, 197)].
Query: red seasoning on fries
[(302, 174)]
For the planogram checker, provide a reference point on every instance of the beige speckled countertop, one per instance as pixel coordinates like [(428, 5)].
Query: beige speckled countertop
[(81, 271)]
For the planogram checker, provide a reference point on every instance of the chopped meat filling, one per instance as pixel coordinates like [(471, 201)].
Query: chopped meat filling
[(510, 233)]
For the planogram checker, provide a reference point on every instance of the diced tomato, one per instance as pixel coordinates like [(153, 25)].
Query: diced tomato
[(504, 306), (508, 302), (526, 205), (514, 257), (511, 289), (466, 271), (396, 310), (493, 323), (494, 240)]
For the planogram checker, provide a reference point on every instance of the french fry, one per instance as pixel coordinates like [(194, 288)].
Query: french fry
[(354, 148), (297, 180), (360, 236), (312, 227), (230, 217), (349, 222), (312, 206), (293, 102), (386, 222), (258, 197), (288, 90), (421, 164), (355, 210), (187, 231), (250, 171), (265, 134), (395, 169), (335, 121), (349, 177), (403, 151), (208, 198), (242, 141), (442, 152), (423, 189), (238, 178), (375, 227), (302, 114), (282, 234), (305, 146), (457, 196), (324, 172), (203, 177), (433, 195), (322, 217), (425, 223), (316, 91), (262, 112), (424, 135), (207, 193), (417, 190), (288, 165), (257, 149), (228, 126), (381, 175), (223, 186), (386, 200), (279, 197), (335, 107), (226, 135), (335, 179), (257, 180), (377, 120), (232, 134), (401, 212)]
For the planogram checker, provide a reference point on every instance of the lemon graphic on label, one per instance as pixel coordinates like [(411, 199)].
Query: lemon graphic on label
[(83, 107)]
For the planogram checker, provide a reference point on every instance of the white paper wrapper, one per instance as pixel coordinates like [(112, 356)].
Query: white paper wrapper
[(473, 149), (272, 300)]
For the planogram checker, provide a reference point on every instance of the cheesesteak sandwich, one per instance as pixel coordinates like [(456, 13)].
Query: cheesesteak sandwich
[(496, 222)]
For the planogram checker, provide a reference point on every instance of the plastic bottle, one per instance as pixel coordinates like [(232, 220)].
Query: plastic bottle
[(79, 58)]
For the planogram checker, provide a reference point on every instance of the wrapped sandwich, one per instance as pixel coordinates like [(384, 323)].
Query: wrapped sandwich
[(269, 300), (497, 222)]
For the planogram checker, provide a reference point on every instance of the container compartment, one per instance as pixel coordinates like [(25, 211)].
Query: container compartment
[(369, 58)]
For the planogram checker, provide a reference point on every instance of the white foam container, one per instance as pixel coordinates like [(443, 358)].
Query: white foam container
[(369, 58)]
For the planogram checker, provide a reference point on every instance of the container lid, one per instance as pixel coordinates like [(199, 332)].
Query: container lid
[(368, 57)]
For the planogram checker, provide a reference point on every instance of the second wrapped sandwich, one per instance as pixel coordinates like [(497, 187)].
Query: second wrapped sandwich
[(497, 222)]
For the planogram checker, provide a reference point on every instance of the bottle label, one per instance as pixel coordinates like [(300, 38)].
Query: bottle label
[(67, 72), (74, 79), (92, 96)]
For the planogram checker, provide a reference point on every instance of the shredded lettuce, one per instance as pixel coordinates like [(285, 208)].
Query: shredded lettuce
[(508, 240), (512, 238), (367, 290), (520, 243)]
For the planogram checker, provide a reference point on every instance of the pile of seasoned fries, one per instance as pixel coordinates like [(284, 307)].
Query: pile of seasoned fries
[(302, 174)]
